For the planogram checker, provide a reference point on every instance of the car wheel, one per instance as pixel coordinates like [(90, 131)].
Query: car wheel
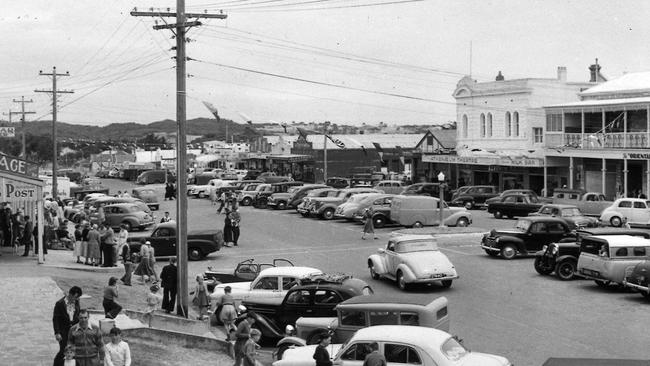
[(646, 294), (601, 283), (194, 254), (373, 274), (616, 221), (462, 222), (328, 214), (417, 225), (281, 205), (566, 270), (401, 283), (491, 253), (469, 205), (498, 215), (304, 214), (541, 268), (201, 195), (246, 201), (446, 283), (127, 226), (508, 252), (379, 221)]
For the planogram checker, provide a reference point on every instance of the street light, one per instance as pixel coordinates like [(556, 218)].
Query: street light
[(441, 188)]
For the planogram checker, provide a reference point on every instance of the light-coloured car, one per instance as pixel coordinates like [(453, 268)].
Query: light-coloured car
[(347, 209), (131, 215), (635, 210), (400, 345), (390, 186), (410, 259), (418, 211), (248, 195), (604, 259), (269, 287)]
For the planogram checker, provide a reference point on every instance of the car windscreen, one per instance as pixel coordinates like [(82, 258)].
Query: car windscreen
[(415, 246), (293, 189), (522, 225), (570, 212)]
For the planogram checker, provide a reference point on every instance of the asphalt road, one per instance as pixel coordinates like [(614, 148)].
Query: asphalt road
[(497, 306)]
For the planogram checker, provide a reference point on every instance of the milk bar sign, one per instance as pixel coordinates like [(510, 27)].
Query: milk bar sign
[(7, 131), (13, 165), (11, 191)]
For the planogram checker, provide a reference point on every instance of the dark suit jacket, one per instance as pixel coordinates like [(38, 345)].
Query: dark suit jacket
[(61, 320), (168, 277)]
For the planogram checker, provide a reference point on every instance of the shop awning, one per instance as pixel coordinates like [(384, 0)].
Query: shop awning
[(291, 158)]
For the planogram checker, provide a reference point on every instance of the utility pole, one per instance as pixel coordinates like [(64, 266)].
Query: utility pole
[(325, 128), (8, 114), (54, 104), (180, 29), (22, 113)]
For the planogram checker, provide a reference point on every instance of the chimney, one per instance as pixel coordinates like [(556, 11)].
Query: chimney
[(594, 71), (561, 73), (500, 77)]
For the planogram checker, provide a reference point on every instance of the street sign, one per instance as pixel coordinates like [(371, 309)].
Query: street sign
[(7, 131)]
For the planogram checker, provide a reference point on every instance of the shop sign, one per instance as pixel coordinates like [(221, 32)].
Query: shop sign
[(18, 166), (7, 131), (12, 191), (636, 156), (454, 159)]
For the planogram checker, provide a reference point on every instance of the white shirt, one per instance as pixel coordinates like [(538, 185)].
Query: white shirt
[(117, 354)]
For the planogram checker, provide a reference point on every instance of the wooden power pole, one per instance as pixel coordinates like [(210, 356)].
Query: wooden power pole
[(22, 113), (54, 93), (180, 29)]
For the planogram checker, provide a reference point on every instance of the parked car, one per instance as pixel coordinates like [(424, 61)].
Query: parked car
[(562, 257), (262, 199), (325, 207), (127, 214), (279, 200), (147, 195), (250, 193), (295, 197), (605, 259), (317, 296), (155, 176), (634, 210), (103, 200), (268, 288), (473, 196), (569, 213), (338, 182), (638, 278), (527, 192), (426, 189), (400, 345), (390, 186), (418, 211), (244, 271), (347, 209), (200, 243), (304, 207), (530, 234), (367, 311), (412, 259), (589, 203), (380, 210), (514, 205), (270, 177)]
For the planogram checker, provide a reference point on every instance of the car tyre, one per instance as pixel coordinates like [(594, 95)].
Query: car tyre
[(566, 270), (616, 221), (646, 295), (281, 205), (417, 225), (201, 195), (305, 214), (401, 283), (491, 253), (540, 268), (601, 283), (246, 201), (462, 222), (498, 215), (328, 214), (195, 254), (508, 251), (446, 283), (379, 221), (374, 275), (469, 205), (127, 226)]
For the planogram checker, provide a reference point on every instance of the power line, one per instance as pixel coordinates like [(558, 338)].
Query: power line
[(262, 9)]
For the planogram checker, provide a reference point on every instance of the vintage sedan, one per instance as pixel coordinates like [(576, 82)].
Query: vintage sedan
[(244, 271), (635, 210), (528, 236), (400, 345), (380, 210), (148, 195), (347, 209), (569, 213), (200, 243), (411, 259), (514, 205), (129, 215), (605, 259)]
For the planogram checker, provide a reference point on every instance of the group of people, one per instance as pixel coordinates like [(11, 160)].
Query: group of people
[(170, 191), (231, 227), (81, 343), (98, 244), (19, 229)]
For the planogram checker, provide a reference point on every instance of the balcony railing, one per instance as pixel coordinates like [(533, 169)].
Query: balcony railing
[(630, 140)]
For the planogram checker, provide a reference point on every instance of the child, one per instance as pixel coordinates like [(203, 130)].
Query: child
[(153, 302), (118, 352), (250, 348), (201, 297), (68, 355)]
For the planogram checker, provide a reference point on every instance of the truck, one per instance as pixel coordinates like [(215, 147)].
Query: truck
[(63, 185), (589, 203)]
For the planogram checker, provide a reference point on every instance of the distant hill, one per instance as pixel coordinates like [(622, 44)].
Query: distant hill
[(130, 131)]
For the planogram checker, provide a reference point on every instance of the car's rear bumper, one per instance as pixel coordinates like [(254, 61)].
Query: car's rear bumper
[(644, 289), (432, 280)]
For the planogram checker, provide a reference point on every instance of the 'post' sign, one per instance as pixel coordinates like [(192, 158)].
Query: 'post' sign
[(12, 191)]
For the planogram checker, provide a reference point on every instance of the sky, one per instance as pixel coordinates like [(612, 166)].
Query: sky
[(303, 60)]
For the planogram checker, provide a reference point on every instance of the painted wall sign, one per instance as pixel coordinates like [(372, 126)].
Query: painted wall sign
[(7, 131), (636, 156), (478, 160), (13, 191), (18, 166)]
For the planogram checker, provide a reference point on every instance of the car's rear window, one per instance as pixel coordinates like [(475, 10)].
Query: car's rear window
[(415, 246)]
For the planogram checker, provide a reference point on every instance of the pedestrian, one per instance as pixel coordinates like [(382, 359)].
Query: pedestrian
[(121, 239), (235, 220), (65, 315), (201, 297), (222, 202), (165, 218), (118, 352), (5, 226), (227, 229), (152, 262), (27, 237), (144, 267), (68, 356), (87, 341), (125, 253), (374, 358), (228, 313), (250, 348), (78, 247), (368, 226), (108, 239), (153, 301), (321, 355), (84, 241), (93, 246), (169, 278), (241, 336), (111, 308)]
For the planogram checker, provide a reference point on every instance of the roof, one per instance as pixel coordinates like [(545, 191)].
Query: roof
[(385, 299), (601, 102), (613, 231), (386, 141), (628, 83), (400, 238), (623, 240), (422, 337), (542, 218), (446, 138), (289, 271)]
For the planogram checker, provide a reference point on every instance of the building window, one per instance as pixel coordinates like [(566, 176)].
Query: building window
[(482, 125), (515, 120), (489, 125), (464, 126), (538, 135), (508, 124), (554, 122)]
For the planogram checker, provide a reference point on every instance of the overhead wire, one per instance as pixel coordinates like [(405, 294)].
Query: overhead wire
[(262, 9)]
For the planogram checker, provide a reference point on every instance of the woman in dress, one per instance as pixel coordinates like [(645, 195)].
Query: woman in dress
[(369, 226), (228, 313), (201, 297), (84, 241), (152, 262), (93, 246), (144, 267), (77, 253), (227, 229)]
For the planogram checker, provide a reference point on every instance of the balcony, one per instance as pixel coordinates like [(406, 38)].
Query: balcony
[(595, 141)]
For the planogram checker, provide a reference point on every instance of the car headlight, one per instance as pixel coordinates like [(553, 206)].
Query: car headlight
[(554, 249), (544, 248), (497, 240)]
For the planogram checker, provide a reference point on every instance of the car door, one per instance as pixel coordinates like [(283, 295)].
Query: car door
[(538, 237), (246, 272), (163, 242), (640, 214), (555, 232), (325, 300), (625, 208), (354, 354), (391, 258), (297, 303), (401, 354), (264, 290)]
